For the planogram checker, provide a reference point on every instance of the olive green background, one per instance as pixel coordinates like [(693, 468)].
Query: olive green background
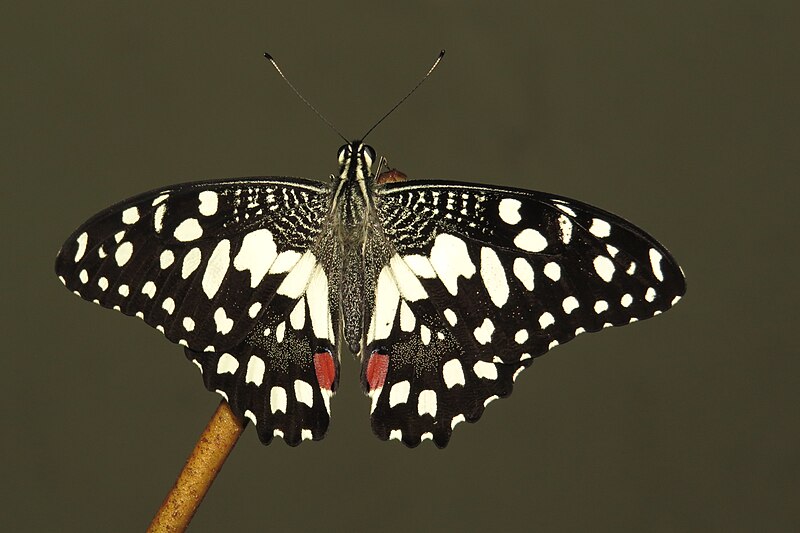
[(680, 116)]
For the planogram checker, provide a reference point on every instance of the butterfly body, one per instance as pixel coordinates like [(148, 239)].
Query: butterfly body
[(446, 291)]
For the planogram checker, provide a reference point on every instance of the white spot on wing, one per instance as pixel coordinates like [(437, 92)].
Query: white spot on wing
[(450, 316), (427, 403), (483, 334), (626, 300), (188, 324), (297, 318), (453, 373), (159, 199), (166, 259), (450, 259), (102, 283), (546, 319), (604, 267), (425, 334), (123, 253), (254, 309), (509, 211), (188, 230), (190, 262), (530, 240), (255, 371), (82, 239), (407, 319), (600, 306), (158, 218), (569, 304), (553, 270), (318, 304), (208, 203), (521, 336), (565, 229), (296, 281), (387, 298), (457, 420), (257, 253), (565, 209), (600, 228), (494, 277), (303, 392), (217, 267), (227, 364), (399, 393), (223, 323), (284, 262), (655, 264), (149, 289), (130, 215), (249, 414), (83, 276), (420, 266), (277, 399), (524, 272), (123, 290), (410, 287), (485, 370), (168, 305)]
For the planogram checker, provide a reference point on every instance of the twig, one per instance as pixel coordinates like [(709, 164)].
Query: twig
[(203, 465)]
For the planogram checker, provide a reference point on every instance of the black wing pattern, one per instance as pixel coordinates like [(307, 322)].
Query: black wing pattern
[(483, 280), (235, 271)]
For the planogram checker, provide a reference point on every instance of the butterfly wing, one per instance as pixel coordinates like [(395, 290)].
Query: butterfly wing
[(483, 280), (233, 271)]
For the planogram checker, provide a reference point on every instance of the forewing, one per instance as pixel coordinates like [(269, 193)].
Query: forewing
[(212, 265), (484, 279)]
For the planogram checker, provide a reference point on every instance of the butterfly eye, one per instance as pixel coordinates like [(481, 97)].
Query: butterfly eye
[(369, 154), (344, 153)]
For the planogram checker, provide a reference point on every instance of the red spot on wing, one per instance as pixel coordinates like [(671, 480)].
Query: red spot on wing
[(325, 369), (377, 367)]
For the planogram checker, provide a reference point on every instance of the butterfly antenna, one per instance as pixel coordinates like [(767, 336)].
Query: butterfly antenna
[(314, 109), (425, 77)]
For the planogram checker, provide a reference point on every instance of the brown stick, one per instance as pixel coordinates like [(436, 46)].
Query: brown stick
[(203, 465)]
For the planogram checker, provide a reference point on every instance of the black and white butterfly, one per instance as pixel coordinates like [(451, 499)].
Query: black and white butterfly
[(446, 291)]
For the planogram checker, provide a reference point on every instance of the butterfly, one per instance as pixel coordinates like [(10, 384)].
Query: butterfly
[(446, 291)]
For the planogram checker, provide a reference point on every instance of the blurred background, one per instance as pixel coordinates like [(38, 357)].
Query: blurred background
[(681, 117)]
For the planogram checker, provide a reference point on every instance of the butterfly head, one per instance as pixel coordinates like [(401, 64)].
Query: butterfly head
[(355, 161)]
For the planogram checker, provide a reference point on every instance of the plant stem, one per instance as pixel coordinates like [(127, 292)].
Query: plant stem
[(202, 466)]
